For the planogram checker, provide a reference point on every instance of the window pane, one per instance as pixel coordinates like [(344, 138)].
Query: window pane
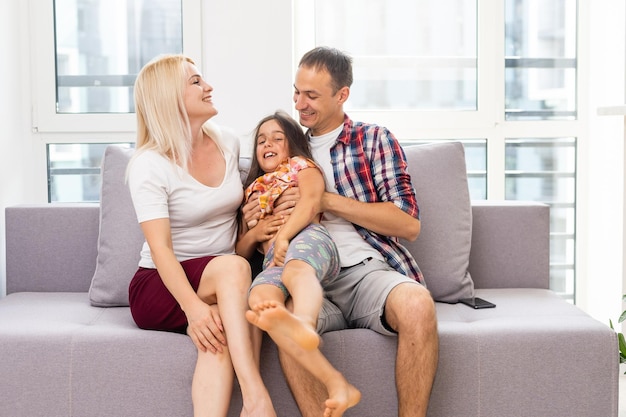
[(544, 170), (540, 59), (102, 44), (475, 161), (399, 64), (562, 282), (74, 171)]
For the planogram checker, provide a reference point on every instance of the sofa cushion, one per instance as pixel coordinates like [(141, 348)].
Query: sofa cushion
[(120, 238), (442, 249)]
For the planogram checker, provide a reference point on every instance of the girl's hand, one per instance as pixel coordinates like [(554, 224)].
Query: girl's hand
[(205, 327), (280, 251)]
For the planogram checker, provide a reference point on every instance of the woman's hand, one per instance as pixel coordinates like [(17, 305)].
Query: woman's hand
[(267, 228), (251, 211), (205, 327)]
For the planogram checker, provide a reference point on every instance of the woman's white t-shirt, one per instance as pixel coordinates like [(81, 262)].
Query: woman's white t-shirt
[(203, 219)]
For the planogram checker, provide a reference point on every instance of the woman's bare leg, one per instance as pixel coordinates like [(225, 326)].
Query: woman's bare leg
[(228, 278), (212, 384)]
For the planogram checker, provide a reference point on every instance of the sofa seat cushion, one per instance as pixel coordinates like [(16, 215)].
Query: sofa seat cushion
[(34, 312), (79, 358), (525, 345), (528, 304), (71, 354)]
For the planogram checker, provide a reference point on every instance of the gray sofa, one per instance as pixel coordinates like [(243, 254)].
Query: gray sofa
[(64, 351)]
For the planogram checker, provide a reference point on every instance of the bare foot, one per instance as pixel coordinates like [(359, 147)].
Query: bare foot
[(272, 316), (341, 396)]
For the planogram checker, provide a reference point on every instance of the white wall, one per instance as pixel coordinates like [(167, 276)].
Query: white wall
[(600, 238), (248, 58), (15, 137)]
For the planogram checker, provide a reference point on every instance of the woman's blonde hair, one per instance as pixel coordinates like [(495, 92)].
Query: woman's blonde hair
[(162, 122)]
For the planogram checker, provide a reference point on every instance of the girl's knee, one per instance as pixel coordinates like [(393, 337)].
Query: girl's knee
[(254, 296)]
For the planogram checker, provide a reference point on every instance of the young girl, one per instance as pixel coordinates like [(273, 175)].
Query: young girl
[(299, 254)]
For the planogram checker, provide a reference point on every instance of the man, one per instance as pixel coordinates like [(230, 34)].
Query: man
[(368, 198)]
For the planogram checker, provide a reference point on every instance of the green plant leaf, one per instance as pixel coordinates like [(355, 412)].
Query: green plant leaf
[(622, 317), (622, 347)]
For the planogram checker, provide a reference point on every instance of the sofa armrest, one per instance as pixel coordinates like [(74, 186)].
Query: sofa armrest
[(51, 247), (510, 245)]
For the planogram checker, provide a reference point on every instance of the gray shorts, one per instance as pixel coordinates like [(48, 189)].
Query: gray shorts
[(356, 297)]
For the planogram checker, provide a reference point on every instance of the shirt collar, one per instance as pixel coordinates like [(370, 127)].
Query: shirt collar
[(344, 136)]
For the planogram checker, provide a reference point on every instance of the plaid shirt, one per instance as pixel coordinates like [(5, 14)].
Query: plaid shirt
[(369, 165)]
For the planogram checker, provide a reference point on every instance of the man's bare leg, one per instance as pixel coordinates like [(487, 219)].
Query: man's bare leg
[(410, 310), (307, 390), (336, 394)]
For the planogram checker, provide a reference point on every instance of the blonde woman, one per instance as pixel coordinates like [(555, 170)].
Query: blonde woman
[(186, 189)]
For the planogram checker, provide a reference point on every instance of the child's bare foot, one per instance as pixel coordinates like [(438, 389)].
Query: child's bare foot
[(272, 316), (341, 396)]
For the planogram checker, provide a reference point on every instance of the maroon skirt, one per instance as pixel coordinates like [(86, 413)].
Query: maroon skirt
[(152, 305)]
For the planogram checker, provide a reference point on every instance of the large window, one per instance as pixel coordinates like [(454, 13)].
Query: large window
[(544, 170), (92, 51), (498, 76), (540, 59), (408, 54), (74, 171), (96, 66)]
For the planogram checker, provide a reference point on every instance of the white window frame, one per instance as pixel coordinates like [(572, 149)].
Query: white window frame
[(45, 119), (487, 122)]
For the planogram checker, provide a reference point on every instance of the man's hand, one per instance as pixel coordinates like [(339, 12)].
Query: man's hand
[(286, 202), (283, 206)]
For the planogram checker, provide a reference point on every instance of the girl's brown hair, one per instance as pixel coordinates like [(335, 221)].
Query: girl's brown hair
[(296, 139)]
